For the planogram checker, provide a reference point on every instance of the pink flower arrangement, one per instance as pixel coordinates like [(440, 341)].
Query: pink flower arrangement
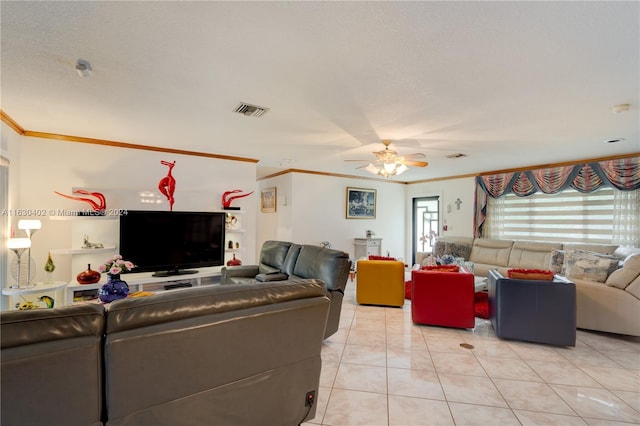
[(115, 265)]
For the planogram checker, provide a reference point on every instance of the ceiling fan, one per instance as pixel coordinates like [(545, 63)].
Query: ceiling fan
[(388, 163)]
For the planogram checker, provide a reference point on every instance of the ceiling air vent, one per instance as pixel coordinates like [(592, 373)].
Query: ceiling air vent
[(457, 155), (250, 110)]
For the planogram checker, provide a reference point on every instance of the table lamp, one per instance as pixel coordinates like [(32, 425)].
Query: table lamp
[(18, 245)]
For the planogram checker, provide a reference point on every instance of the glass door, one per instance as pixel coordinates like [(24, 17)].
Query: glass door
[(426, 223)]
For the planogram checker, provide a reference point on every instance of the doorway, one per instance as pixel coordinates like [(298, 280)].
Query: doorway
[(426, 223)]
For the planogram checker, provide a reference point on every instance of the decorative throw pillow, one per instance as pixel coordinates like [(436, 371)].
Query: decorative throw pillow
[(622, 277), (458, 250), (557, 261), (634, 288), (588, 265)]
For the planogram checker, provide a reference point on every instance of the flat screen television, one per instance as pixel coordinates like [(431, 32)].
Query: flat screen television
[(172, 243)]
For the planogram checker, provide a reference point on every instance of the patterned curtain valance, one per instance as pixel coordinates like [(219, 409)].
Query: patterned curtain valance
[(622, 174)]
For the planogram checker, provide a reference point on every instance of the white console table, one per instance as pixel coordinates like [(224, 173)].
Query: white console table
[(142, 281), (363, 247)]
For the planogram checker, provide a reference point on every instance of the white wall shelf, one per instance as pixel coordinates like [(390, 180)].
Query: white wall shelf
[(110, 249)]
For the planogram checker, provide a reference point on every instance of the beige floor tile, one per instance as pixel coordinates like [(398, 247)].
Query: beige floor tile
[(416, 383), (481, 415), (531, 351), (457, 363), (406, 341), (411, 359), (407, 411), (367, 337), (535, 418), (332, 351), (355, 408), (450, 344), (615, 378), (532, 396), (361, 377), (624, 359), (631, 398), (503, 368), (430, 380), (328, 373), (587, 356), (471, 390), (365, 355), (597, 403), (562, 373)]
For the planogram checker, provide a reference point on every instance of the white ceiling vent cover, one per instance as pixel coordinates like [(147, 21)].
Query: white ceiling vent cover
[(250, 110)]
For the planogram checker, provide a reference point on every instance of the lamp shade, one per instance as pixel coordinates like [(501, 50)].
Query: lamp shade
[(18, 243), (29, 224)]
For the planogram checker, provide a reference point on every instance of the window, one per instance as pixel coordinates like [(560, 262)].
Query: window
[(425, 224), (568, 216)]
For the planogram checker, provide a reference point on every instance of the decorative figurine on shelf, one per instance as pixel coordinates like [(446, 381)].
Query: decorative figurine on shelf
[(49, 267), (226, 199), (231, 221), (167, 184), (90, 245), (98, 208), (115, 288), (234, 261)]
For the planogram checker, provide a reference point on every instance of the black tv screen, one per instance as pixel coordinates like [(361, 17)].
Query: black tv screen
[(172, 243)]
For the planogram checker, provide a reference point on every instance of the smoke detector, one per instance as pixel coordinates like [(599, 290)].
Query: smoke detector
[(250, 110), (83, 68)]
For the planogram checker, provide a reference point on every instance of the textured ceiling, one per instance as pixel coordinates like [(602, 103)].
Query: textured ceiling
[(510, 84)]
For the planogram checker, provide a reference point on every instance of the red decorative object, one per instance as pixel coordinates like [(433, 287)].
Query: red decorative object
[(98, 207), (442, 268), (482, 304), (167, 184), (89, 276), (226, 199), (376, 257), (530, 274), (234, 261)]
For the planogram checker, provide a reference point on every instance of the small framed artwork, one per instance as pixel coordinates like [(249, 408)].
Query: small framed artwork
[(268, 200), (361, 203)]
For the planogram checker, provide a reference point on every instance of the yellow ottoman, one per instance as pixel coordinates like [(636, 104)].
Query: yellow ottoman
[(380, 282)]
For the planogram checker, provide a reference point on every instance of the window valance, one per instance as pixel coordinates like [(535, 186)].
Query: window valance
[(622, 174)]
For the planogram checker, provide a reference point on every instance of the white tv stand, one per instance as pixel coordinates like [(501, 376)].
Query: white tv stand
[(143, 281)]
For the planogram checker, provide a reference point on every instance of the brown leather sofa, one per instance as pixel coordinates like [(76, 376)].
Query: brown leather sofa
[(286, 261), (218, 355)]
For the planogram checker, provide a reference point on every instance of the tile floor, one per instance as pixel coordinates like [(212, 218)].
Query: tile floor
[(381, 369)]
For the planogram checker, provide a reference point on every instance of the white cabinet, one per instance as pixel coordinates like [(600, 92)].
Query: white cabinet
[(363, 247)]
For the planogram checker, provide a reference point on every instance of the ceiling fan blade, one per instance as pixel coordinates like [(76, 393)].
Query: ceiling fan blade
[(415, 163), (358, 160), (414, 156)]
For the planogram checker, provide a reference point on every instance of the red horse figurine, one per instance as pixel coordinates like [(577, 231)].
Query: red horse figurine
[(226, 200), (100, 206), (167, 184)]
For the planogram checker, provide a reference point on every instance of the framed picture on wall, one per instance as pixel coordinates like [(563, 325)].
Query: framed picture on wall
[(361, 203), (268, 200)]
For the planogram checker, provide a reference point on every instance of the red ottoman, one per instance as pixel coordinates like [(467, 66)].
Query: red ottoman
[(443, 298)]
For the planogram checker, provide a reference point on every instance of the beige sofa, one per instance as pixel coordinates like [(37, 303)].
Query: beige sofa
[(607, 290)]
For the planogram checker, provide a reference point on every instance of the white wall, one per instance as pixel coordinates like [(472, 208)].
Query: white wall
[(120, 173), (316, 212)]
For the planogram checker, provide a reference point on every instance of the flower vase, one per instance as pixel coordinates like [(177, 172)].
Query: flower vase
[(114, 289)]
